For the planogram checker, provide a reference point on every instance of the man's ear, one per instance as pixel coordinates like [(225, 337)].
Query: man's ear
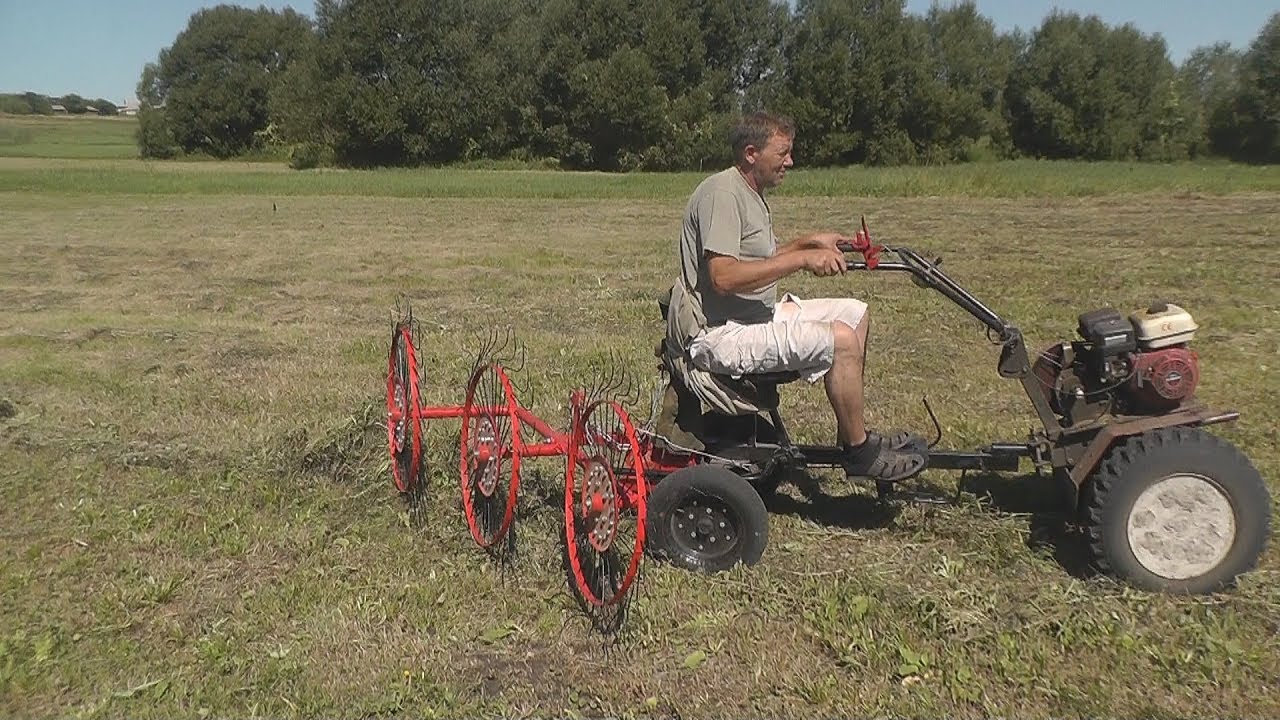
[(750, 153)]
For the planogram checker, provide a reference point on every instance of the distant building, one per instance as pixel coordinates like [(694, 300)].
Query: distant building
[(130, 107), (58, 109)]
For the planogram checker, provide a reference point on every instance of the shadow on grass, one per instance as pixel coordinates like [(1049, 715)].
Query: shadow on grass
[(850, 512), (1050, 505), (1047, 503)]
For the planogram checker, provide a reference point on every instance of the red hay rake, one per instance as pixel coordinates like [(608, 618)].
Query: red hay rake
[(605, 487)]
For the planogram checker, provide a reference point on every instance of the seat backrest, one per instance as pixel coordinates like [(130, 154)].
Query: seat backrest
[(664, 302), (721, 394)]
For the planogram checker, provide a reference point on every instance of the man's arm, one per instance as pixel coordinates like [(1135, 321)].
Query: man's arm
[(812, 241), (730, 275), (720, 225)]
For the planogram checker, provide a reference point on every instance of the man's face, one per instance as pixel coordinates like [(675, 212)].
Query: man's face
[(772, 161)]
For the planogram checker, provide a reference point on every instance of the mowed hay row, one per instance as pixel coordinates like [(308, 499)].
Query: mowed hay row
[(197, 512)]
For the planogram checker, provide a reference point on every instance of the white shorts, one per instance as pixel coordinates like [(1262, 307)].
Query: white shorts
[(798, 340)]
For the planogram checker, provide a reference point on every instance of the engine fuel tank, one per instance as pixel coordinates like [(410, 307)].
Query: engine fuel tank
[(1162, 325)]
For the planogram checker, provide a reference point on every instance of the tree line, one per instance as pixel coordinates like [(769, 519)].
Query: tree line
[(654, 84), (30, 103)]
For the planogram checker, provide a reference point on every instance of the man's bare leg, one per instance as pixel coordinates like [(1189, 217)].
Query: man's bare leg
[(844, 388), (844, 381)]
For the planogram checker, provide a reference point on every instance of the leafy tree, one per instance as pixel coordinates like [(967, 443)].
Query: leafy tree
[(1255, 109), (742, 69), (1083, 90), (213, 84), (574, 69), (959, 105), (1208, 78), (39, 104), (105, 107), (74, 104), (395, 82), (851, 68), (619, 108), (155, 138), (617, 84)]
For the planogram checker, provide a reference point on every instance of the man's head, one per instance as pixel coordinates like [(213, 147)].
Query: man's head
[(762, 148)]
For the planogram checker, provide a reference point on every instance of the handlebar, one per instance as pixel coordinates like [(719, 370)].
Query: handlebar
[(926, 273)]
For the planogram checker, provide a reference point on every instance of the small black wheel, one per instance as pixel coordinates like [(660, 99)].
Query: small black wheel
[(707, 519), (1176, 510)]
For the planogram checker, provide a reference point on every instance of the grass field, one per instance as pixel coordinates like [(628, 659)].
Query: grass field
[(1015, 179), (65, 136), (197, 519)]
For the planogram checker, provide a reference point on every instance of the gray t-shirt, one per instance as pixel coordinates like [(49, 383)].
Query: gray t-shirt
[(725, 216)]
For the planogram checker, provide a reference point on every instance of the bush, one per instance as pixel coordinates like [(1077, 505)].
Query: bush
[(14, 105), (155, 140), (305, 156), (981, 150), (891, 148)]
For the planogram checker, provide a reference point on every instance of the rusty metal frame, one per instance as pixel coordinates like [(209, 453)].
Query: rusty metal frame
[(1193, 416)]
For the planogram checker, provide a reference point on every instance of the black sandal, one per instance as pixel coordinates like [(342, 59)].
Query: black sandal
[(904, 441), (887, 464)]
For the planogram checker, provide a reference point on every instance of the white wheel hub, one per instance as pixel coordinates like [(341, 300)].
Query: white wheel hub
[(1182, 526)]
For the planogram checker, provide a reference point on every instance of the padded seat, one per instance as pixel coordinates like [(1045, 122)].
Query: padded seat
[(683, 422), (760, 389), (773, 378)]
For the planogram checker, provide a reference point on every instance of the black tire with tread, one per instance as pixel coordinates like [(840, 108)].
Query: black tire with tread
[(1137, 462), (752, 517)]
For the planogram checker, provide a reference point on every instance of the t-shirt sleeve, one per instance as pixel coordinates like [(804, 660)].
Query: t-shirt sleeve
[(720, 224)]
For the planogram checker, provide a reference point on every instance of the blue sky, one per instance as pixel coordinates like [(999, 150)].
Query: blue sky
[(97, 48)]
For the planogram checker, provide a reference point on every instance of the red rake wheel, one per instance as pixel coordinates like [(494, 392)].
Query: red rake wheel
[(604, 505), (489, 450), (404, 427)]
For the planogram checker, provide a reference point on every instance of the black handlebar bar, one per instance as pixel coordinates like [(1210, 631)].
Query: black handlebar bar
[(929, 274)]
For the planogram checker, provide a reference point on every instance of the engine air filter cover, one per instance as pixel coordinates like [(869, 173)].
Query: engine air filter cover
[(1108, 332)]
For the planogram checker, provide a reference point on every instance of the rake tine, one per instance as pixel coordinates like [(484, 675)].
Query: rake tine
[(515, 367), (633, 391), (615, 380), (605, 379), (611, 379), (593, 384), (524, 356), (617, 375), (501, 339)]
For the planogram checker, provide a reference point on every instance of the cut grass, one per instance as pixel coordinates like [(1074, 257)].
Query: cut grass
[(197, 515)]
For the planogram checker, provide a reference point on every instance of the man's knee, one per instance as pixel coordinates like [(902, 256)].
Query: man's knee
[(864, 323), (852, 312), (849, 341)]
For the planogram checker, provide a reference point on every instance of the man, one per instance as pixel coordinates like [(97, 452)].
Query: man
[(732, 323)]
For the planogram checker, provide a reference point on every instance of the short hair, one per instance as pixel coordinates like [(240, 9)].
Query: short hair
[(756, 128)]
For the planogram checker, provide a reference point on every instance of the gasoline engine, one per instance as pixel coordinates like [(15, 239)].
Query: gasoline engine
[(1140, 365)]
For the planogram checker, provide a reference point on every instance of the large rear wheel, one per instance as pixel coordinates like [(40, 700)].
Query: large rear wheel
[(1177, 510)]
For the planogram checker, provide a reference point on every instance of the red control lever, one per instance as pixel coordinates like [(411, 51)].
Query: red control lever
[(862, 244)]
